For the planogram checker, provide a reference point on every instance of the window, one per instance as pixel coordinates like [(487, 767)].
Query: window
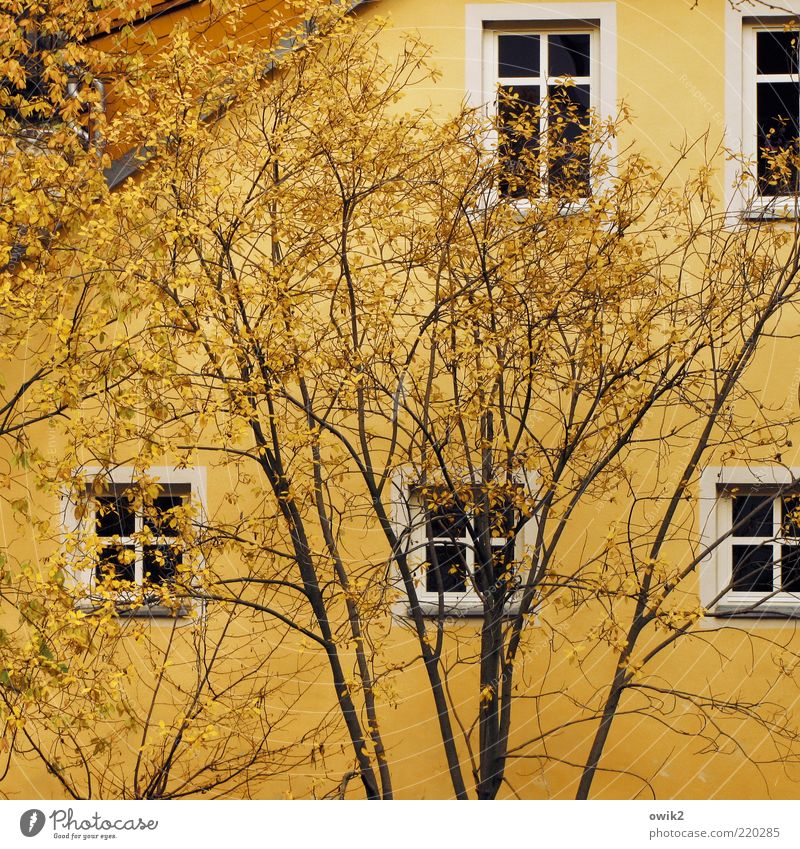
[(28, 102), (543, 90), (130, 537), (447, 534), (440, 537), (755, 569), (764, 543), (777, 108), (34, 103), (762, 110), (532, 65), (139, 543)]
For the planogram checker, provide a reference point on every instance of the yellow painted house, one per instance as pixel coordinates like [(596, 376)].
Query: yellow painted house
[(403, 486)]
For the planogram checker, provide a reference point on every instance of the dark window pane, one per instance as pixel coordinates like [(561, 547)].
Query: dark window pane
[(502, 559), (447, 522), (447, 568), (568, 111), (504, 520), (498, 577), (158, 519), (790, 516), (568, 55), (34, 59), (502, 555), (516, 105), (518, 56), (790, 568), (114, 516), (776, 52), (518, 132), (752, 516), (161, 563), (777, 114), (109, 565), (752, 568), (568, 115)]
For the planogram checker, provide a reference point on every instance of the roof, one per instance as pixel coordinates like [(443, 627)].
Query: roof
[(132, 161)]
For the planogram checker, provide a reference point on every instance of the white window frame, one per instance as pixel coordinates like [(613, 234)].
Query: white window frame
[(716, 500), (409, 527), (740, 108), (78, 524), (485, 21)]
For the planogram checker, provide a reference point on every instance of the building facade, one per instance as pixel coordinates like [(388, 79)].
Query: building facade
[(401, 485)]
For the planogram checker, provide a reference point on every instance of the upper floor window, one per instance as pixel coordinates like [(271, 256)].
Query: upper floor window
[(41, 94), (543, 87), (542, 69), (773, 59)]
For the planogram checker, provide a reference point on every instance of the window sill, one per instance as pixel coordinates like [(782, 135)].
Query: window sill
[(135, 610), (780, 208), (457, 609), (753, 610), (525, 207)]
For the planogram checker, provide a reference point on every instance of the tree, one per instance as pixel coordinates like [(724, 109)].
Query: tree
[(50, 182), (382, 329), (67, 671)]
